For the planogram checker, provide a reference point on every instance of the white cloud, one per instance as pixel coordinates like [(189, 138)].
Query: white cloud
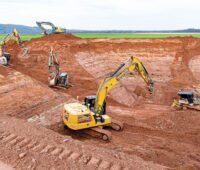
[(104, 14)]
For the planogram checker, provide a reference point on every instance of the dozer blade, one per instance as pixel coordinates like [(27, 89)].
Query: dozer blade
[(176, 105), (98, 132)]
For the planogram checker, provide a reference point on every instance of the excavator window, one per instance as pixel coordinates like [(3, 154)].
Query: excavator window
[(90, 102)]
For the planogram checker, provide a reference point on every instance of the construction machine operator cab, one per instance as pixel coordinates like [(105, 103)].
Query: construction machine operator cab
[(7, 55), (63, 79), (5, 59), (90, 103), (185, 95)]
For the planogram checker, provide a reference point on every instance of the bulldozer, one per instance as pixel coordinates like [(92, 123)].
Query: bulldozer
[(187, 100), (56, 77), (4, 56), (54, 29), (91, 116)]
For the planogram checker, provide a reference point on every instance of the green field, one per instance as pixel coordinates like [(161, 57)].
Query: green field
[(24, 36), (112, 35)]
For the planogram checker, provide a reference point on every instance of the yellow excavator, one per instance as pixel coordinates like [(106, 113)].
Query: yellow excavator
[(91, 116), (54, 29), (56, 77), (4, 56)]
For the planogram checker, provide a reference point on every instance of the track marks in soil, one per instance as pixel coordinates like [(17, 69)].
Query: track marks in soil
[(28, 145)]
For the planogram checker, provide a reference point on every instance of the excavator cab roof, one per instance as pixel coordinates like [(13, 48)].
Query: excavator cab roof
[(185, 94)]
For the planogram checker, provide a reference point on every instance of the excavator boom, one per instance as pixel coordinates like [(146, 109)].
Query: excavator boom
[(53, 61), (128, 67)]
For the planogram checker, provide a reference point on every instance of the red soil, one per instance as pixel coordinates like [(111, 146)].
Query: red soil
[(154, 135)]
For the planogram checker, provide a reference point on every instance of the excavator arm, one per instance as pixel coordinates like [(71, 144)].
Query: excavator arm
[(53, 61), (109, 82)]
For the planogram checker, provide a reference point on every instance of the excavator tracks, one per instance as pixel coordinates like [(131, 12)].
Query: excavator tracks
[(116, 125), (99, 132)]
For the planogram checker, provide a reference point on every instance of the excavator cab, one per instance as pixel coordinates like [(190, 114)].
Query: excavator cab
[(186, 96), (90, 103), (63, 79), (5, 58)]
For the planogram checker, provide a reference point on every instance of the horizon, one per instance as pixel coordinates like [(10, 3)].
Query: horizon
[(35, 26)]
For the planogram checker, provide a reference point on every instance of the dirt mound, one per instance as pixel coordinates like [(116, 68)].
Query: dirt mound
[(56, 37), (3, 71), (171, 60)]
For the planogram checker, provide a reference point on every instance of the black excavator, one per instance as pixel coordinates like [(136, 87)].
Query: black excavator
[(56, 77)]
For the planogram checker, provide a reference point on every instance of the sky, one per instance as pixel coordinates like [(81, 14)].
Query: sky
[(104, 14)]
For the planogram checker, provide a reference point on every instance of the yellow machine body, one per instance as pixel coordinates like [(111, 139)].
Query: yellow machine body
[(59, 30), (77, 116)]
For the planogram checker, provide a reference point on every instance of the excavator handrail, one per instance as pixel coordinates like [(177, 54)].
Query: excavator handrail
[(132, 64)]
